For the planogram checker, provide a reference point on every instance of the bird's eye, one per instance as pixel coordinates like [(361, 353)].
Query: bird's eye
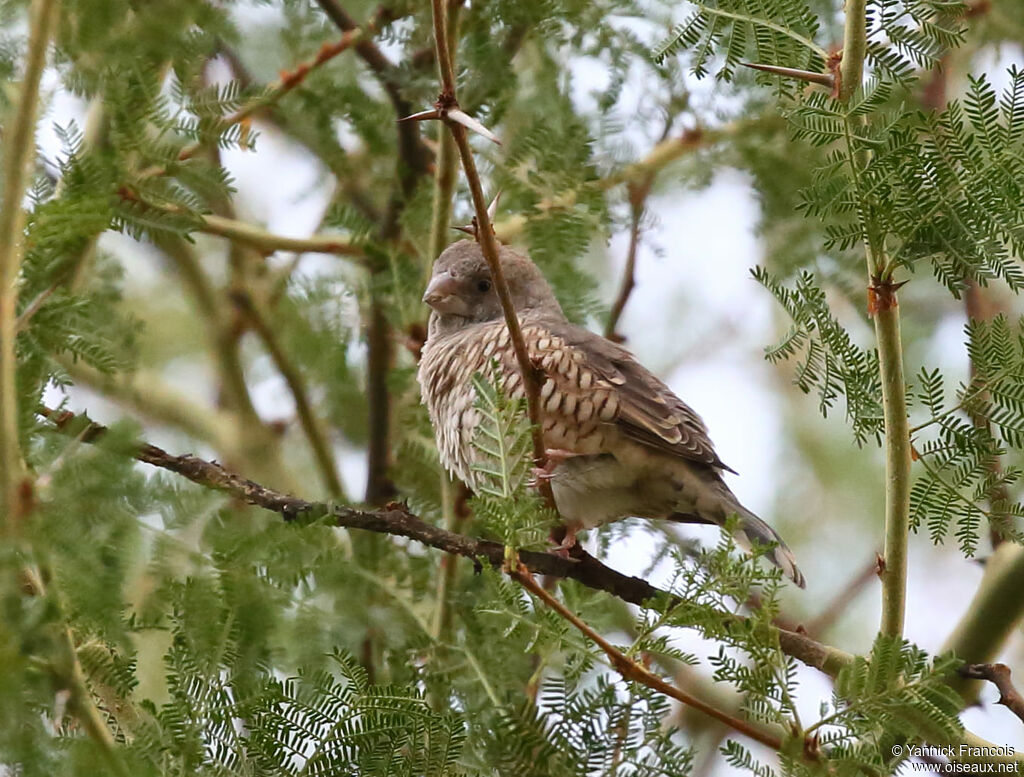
[(484, 286)]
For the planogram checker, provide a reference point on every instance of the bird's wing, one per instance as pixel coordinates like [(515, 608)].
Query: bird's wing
[(646, 410)]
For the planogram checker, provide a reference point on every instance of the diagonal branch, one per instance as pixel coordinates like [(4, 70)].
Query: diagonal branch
[(411, 149), (268, 242), (488, 242), (287, 82), (631, 670)]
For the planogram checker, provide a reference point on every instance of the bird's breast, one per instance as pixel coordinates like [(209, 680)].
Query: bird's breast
[(577, 408)]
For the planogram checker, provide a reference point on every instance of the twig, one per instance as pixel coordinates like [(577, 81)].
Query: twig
[(396, 519), (84, 708), (288, 80), (632, 671), (637, 197), (411, 164), (19, 153), (413, 155), (37, 303), (379, 355), (311, 425), (267, 242), (488, 242), (999, 676), (454, 511), (292, 78)]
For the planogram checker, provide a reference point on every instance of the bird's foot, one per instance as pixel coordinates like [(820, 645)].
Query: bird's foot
[(567, 542), (553, 457)]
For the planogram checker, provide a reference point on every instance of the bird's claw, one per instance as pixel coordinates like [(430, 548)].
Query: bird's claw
[(567, 543), (553, 457)]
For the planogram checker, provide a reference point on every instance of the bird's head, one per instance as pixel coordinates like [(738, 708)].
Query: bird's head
[(461, 290)]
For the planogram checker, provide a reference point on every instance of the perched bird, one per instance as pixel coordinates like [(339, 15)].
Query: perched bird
[(619, 442)]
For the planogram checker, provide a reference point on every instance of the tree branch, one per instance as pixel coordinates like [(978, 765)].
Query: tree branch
[(658, 158), (412, 152), (637, 197), (454, 511), (286, 83), (884, 306), (998, 675), (412, 162), (898, 458), (268, 242), (488, 243), (68, 671), (632, 671), (19, 154), (396, 519), (855, 48)]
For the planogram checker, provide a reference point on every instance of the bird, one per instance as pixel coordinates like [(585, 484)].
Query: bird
[(619, 443)]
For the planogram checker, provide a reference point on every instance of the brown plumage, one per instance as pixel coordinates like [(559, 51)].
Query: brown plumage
[(620, 442)]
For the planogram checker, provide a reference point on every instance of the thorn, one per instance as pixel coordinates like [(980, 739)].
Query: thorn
[(823, 79), (427, 115), (467, 121), (467, 230), (492, 209), (879, 564)]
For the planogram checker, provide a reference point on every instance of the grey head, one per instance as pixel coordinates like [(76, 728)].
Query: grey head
[(461, 291)]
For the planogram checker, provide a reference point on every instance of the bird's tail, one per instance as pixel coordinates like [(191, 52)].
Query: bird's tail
[(754, 531)]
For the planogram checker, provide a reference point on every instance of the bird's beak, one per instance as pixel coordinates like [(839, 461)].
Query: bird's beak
[(442, 295)]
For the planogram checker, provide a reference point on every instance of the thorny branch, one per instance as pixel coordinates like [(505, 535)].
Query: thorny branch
[(448, 101)]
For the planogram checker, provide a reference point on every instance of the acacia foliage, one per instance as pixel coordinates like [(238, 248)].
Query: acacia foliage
[(214, 639)]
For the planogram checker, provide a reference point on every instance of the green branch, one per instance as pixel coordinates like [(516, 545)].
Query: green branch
[(884, 307), (855, 49), (19, 155), (268, 242), (897, 468)]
